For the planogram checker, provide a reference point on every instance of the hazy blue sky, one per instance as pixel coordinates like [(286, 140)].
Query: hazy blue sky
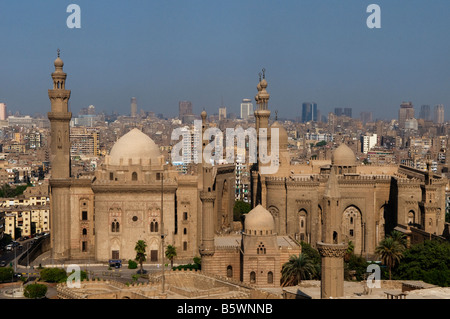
[(165, 51)]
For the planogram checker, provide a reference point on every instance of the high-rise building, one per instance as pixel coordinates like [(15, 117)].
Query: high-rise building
[(367, 142), (222, 113), (439, 114), (425, 112), (366, 117), (91, 110), (133, 107), (3, 113), (246, 109), (348, 111), (406, 112), (338, 111), (309, 112), (185, 111)]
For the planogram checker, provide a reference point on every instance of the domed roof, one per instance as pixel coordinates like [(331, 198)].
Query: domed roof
[(343, 156), (259, 218), (59, 62), (134, 145)]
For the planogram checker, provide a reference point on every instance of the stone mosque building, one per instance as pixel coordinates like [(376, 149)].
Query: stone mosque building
[(324, 203)]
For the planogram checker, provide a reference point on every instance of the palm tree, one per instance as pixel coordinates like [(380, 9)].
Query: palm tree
[(399, 237), (140, 253), (171, 253), (296, 270), (390, 252)]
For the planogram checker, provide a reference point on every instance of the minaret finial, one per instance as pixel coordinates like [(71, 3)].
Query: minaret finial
[(264, 73), (260, 76), (58, 51), (276, 115)]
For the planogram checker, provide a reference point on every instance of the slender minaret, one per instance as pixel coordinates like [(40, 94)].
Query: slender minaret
[(331, 251), (207, 196), (60, 179)]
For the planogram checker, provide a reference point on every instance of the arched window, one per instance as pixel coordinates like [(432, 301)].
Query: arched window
[(154, 226), (134, 176), (335, 237), (411, 219), (185, 231), (115, 226), (84, 231), (252, 277), (230, 271), (270, 277)]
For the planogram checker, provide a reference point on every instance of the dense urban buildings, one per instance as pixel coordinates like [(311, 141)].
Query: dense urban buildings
[(113, 182)]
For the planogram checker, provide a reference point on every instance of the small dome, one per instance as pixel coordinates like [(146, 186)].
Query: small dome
[(263, 84), (343, 156), (134, 145), (59, 63), (258, 219), (203, 114)]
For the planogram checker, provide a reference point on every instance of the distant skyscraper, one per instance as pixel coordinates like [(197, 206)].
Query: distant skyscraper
[(406, 112), (309, 112), (222, 113), (366, 117), (439, 114), (185, 111), (91, 110), (338, 111), (133, 107), (246, 109), (348, 111), (425, 112), (3, 113)]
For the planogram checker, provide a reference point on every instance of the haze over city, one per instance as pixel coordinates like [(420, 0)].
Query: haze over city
[(162, 52)]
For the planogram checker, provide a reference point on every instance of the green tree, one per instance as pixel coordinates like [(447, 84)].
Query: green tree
[(314, 256), (132, 264), (35, 291), (171, 253), (390, 252), (298, 268), (53, 275), (6, 274), (141, 256), (428, 261), (399, 237), (240, 208)]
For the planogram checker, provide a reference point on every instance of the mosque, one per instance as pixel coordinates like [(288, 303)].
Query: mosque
[(135, 196)]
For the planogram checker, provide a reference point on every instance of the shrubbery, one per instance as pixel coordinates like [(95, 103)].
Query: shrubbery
[(6, 274), (132, 264), (35, 291), (53, 275)]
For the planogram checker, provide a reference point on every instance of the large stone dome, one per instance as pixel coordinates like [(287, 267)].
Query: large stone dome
[(259, 219), (343, 156), (134, 145)]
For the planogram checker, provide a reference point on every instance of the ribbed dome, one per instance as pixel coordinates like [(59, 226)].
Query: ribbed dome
[(343, 156), (258, 219), (134, 145)]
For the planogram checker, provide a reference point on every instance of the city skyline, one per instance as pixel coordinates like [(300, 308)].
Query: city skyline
[(163, 53)]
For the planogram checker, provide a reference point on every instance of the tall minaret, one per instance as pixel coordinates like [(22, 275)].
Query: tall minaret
[(59, 118), (60, 180), (330, 249)]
